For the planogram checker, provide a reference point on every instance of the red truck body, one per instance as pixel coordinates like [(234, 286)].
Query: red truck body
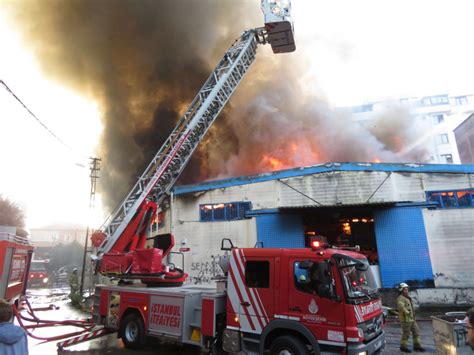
[(272, 299), (15, 257)]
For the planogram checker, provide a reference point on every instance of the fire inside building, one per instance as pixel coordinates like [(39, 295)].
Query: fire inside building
[(413, 221)]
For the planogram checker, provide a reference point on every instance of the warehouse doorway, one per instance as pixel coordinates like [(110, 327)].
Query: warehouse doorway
[(343, 227)]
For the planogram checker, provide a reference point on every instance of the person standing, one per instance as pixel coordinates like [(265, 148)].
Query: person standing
[(13, 339), (470, 327), (74, 282), (406, 315)]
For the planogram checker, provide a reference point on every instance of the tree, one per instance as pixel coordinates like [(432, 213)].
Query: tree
[(11, 214)]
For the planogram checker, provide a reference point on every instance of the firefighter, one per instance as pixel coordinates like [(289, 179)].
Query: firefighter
[(73, 282), (406, 314)]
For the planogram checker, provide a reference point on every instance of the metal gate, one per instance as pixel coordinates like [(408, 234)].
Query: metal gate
[(402, 247), (280, 230)]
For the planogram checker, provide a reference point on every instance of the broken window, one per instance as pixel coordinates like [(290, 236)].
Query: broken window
[(223, 211), (452, 199)]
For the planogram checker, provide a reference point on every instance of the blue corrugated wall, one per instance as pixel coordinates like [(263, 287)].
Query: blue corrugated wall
[(402, 247), (280, 231)]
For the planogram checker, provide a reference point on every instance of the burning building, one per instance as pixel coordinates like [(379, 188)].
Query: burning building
[(413, 221)]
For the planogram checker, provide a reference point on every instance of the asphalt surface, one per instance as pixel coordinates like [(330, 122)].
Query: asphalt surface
[(111, 345), (393, 334)]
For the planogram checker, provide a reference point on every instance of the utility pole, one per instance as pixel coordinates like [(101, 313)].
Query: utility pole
[(94, 166)]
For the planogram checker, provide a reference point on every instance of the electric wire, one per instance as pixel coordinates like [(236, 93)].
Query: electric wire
[(10, 91)]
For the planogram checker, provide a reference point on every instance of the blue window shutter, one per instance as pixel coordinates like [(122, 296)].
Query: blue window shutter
[(402, 247), (280, 231)]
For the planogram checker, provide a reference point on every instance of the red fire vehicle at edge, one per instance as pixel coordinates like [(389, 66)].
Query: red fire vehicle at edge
[(15, 257)]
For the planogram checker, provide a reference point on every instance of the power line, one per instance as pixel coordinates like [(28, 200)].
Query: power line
[(32, 114), (40, 122)]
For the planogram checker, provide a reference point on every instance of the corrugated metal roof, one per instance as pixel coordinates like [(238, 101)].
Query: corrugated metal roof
[(324, 168)]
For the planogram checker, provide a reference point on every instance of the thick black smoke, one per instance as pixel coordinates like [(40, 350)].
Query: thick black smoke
[(143, 61)]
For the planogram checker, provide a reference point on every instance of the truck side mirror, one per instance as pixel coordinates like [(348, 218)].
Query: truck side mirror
[(361, 267), (332, 291), (226, 244)]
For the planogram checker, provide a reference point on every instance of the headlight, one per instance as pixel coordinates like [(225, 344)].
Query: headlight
[(362, 353), (45, 280)]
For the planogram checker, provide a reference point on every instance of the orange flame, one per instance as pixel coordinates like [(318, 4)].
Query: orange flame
[(290, 155), (271, 162)]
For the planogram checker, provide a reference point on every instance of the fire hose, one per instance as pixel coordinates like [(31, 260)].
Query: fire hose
[(84, 324)]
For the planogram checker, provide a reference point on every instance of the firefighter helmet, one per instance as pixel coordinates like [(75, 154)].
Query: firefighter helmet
[(402, 286)]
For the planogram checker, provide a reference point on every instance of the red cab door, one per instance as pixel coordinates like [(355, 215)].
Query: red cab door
[(313, 300), (252, 290)]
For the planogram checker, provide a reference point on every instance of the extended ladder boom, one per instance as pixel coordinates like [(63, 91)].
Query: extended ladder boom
[(163, 171)]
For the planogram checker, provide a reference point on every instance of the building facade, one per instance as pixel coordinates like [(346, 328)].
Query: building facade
[(53, 236), (414, 222), (464, 134), (441, 114)]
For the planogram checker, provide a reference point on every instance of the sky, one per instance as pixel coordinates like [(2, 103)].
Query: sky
[(356, 51), (48, 179)]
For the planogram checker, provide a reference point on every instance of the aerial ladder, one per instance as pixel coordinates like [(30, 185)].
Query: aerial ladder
[(121, 240)]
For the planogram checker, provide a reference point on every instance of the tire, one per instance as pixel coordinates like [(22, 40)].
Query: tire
[(132, 331), (288, 345)]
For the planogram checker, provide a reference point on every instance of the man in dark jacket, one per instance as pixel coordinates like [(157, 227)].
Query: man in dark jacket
[(406, 315), (13, 340)]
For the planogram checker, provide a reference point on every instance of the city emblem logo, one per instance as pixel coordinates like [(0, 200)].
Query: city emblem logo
[(313, 307)]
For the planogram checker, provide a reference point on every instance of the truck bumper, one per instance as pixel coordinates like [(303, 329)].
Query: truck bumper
[(374, 346)]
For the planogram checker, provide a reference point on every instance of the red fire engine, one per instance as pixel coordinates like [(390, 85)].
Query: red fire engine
[(15, 258), (38, 275), (294, 300)]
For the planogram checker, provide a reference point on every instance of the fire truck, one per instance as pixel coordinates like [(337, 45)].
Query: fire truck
[(15, 257), (39, 273), (286, 301)]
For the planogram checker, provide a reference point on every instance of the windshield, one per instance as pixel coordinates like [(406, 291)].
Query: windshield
[(358, 283), (35, 266)]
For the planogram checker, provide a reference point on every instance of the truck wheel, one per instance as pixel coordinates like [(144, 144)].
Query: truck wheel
[(288, 345), (132, 331)]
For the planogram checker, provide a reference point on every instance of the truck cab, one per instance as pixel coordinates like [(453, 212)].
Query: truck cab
[(39, 274), (298, 300)]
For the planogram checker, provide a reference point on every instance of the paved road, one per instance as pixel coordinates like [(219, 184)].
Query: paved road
[(111, 345), (393, 334)]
